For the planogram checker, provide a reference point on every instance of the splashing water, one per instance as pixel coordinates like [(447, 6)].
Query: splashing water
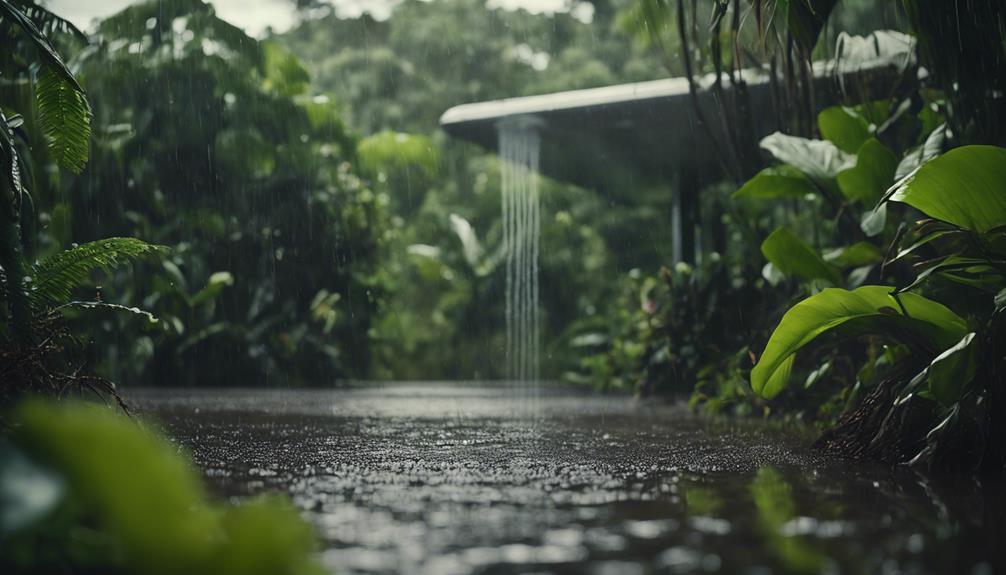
[(519, 148)]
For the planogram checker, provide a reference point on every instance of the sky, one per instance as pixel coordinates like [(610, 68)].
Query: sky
[(254, 16)]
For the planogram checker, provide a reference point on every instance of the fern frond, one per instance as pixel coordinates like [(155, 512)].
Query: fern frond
[(65, 119), (46, 21), (54, 278)]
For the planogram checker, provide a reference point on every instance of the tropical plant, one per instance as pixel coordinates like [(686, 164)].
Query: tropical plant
[(224, 153), (910, 369), (34, 291), (944, 388), (393, 79), (65, 117)]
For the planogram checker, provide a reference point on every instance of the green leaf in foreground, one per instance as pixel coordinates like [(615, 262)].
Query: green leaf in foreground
[(776, 182), (869, 309), (965, 187), (795, 258), (143, 506)]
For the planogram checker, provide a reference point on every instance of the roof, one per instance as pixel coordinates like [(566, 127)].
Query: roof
[(641, 132)]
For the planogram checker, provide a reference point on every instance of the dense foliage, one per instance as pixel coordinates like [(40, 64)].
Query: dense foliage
[(47, 125), (300, 253), (308, 223), (318, 226), (76, 480), (884, 227), (210, 142), (442, 315)]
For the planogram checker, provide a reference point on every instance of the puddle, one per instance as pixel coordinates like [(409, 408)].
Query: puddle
[(447, 478)]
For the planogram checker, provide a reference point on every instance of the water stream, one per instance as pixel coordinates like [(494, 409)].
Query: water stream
[(519, 146)]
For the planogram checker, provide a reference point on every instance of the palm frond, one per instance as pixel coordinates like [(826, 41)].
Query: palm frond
[(47, 21), (65, 119), (54, 278), (50, 58)]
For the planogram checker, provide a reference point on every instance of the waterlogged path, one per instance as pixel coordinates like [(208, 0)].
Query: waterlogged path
[(444, 478)]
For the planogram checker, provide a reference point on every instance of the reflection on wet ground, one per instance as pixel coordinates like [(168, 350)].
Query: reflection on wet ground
[(446, 478)]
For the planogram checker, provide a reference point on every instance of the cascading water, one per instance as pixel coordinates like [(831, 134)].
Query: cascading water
[(519, 146)]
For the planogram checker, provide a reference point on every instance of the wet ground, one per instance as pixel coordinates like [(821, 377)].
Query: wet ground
[(448, 478)]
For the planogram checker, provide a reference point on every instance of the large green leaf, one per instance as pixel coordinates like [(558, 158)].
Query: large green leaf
[(112, 465), (819, 159), (869, 309), (953, 370), (844, 127), (775, 183), (873, 173), (793, 257), (965, 187), (65, 119)]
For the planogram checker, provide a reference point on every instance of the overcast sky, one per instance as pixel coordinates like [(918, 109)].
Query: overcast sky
[(255, 15)]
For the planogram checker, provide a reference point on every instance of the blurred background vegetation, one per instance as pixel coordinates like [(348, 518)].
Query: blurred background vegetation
[(321, 228)]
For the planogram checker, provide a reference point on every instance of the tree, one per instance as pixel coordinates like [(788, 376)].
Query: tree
[(209, 142)]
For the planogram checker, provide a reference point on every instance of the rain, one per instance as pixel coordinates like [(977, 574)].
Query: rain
[(502, 286)]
